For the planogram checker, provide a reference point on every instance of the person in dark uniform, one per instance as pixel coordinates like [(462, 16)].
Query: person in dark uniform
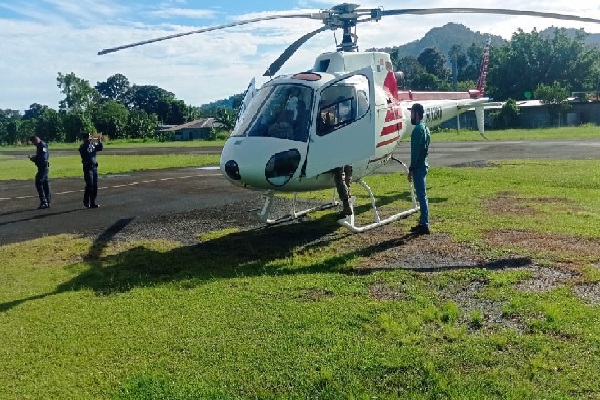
[(88, 150), (42, 180)]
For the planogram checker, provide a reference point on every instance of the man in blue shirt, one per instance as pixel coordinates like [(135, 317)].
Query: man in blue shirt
[(88, 150), (417, 172), (42, 180)]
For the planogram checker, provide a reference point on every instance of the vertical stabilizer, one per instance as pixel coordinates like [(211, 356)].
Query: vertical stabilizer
[(479, 115)]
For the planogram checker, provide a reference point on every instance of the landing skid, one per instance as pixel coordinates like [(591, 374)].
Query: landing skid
[(264, 213), (349, 221)]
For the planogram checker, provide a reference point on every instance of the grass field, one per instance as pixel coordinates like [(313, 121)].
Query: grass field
[(70, 166), (579, 132), (128, 144), (509, 308)]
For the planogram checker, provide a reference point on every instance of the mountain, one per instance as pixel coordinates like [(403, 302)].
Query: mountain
[(450, 34), (591, 38), (444, 38)]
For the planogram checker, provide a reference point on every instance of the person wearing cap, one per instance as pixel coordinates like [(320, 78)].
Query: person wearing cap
[(88, 150), (42, 180), (417, 172)]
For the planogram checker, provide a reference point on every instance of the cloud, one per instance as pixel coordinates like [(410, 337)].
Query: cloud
[(183, 12), (64, 36)]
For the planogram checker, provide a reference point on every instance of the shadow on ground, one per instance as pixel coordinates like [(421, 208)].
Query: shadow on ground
[(250, 252)]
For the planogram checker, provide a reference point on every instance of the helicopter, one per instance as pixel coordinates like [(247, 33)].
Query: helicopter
[(350, 108)]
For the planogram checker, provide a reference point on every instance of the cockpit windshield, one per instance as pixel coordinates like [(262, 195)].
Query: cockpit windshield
[(280, 111)]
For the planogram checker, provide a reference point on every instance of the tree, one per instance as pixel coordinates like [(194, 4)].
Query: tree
[(141, 125), (9, 117), (226, 118), (555, 97), (79, 95), (115, 88), (50, 126), (34, 111), (508, 116), (529, 59), (473, 67), (111, 118), (429, 82), (171, 111), (12, 131), (409, 66), (76, 123), (147, 98), (433, 61)]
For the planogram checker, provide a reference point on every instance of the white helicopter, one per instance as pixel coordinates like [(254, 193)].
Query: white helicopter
[(346, 110)]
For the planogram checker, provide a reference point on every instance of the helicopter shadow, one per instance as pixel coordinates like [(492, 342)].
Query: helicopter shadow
[(251, 252), (246, 253)]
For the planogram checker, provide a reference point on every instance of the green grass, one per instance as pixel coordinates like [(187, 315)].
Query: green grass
[(70, 166), (242, 316), (579, 132), (128, 144)]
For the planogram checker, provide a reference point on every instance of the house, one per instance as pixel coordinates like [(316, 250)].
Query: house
[(197, 129)]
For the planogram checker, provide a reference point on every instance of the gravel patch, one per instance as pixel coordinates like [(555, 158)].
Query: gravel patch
[(545, 279), (510, 203), (588, 292)]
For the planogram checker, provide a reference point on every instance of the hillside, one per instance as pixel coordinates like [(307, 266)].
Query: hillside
[(444, 38), (591, 39), (450, 34)]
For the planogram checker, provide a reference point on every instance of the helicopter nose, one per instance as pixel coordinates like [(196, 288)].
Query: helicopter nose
[(232, 170), (281, 167)]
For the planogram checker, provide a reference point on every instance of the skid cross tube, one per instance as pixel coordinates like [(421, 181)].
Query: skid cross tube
[(264, 213), (349, 221)]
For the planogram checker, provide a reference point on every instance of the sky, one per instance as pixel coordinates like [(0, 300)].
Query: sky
[(40, 38)]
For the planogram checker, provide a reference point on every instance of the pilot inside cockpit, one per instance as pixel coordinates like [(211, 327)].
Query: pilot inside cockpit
[(285, 113), (281, 127)]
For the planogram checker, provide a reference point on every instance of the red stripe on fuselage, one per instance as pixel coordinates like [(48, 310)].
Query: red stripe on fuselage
[(393, 113), (392, 140), (391, 128)]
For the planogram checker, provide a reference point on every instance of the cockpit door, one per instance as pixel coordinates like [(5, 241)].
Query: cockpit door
[(344, 129)]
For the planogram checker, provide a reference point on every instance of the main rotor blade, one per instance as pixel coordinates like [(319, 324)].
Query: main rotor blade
[(424, 11), (277, 64), (212, 28)]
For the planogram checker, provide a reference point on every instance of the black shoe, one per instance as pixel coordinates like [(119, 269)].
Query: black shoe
[(43, 205), (86, 205), (94, 205), (346, 209), (420, 229)]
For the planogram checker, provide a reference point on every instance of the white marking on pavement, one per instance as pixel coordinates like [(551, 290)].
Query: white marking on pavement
[(120, 186), (69, 191)]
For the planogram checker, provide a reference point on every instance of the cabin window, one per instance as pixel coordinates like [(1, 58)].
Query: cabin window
[(343, 103), (284, 113)]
